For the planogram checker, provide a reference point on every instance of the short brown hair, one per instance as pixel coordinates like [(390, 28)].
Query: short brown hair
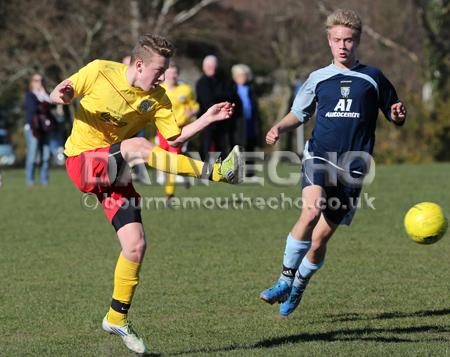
[(347, 18), (35, 77), (149, 43), (173, 64)]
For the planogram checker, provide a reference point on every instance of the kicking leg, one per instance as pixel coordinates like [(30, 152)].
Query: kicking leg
[(139, 150)]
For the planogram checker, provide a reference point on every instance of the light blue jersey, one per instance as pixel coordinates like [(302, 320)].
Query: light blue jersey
[(347, 104)]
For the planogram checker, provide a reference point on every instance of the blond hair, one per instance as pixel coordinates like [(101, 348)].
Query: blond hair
[(241, 68), (148, 44), (347, 18)]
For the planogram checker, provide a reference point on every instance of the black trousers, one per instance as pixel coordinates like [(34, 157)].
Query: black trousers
[(217, 134)]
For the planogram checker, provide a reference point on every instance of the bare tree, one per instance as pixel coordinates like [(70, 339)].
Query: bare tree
[(435, 18), (374, 34), (62, 36)]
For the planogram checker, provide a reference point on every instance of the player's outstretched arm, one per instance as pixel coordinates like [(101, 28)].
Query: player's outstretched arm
[(217, 112), (288, 123), (63, 93), (398, 113)]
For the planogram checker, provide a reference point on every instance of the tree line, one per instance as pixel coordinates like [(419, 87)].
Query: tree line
[(282, 41)]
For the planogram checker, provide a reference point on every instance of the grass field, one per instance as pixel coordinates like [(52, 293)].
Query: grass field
[(379, 293)]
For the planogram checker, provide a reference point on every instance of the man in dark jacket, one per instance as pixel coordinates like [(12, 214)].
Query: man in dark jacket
[(212, 89)]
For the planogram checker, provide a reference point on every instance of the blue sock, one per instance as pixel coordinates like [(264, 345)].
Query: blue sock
[(293, 254), (304, 273)]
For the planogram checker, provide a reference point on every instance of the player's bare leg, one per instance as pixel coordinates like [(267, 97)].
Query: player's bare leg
[(139, 150), (132, 240), (312, 197)]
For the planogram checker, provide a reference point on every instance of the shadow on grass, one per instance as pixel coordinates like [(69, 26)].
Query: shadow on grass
[(359, 334), (386, 315)]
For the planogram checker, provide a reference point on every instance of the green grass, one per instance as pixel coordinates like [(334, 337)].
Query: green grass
[(379, 293)]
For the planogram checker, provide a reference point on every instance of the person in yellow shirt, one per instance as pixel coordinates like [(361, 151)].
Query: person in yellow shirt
[(116, 102), (184, 107)]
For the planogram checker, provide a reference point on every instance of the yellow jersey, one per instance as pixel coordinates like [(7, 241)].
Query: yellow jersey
[(111, 110), (183, 99)]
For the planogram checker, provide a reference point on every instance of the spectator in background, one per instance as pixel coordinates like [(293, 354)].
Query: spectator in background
[(184, 107), (38, 124), (57, 136), (246, 129), (212, 89)]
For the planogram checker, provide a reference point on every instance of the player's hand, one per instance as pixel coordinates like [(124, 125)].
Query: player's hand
[(66, 92), (398, 112), (273, 135), (220, 111)]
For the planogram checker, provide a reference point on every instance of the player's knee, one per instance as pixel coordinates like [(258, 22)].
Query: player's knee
[(135, 145), (133, 239), (142, 143), (141, 246), (140, 243), (136, 149), (136, 250), (310, 216), (318, 246)]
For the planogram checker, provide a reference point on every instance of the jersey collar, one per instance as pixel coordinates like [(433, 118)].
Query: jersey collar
[(357, 64)]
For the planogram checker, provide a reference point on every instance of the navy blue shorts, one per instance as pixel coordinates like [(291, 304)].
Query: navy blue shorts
[(342, 198)]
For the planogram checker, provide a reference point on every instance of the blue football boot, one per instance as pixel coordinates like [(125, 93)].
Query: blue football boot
[(277, 293), (288, 307)]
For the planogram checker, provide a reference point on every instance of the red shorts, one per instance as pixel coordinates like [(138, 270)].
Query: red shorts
[(163, 144), (90, 172)]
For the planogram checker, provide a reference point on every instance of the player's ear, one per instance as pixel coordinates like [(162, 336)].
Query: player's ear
[(357, 38), (329, 38), (139, 65)]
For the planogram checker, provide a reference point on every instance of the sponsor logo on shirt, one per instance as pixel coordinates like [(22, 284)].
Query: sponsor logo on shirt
[(343, 107), (109, 119), (345, 92), (145, 105)]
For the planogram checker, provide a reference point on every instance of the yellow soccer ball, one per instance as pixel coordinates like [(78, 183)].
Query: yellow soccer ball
[(425, 223)]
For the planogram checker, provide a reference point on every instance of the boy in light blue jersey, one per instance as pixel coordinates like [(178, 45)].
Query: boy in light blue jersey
[(347, 96)]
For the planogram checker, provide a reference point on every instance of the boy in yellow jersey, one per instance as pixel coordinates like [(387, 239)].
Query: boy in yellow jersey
[(117, 101), (184, 107)]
